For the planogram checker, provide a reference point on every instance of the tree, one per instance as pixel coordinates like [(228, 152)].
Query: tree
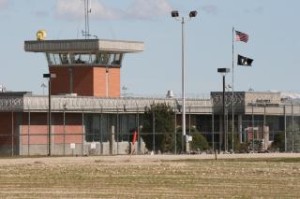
[(160, 119), (279, 142), (293, 138), (199, 142)]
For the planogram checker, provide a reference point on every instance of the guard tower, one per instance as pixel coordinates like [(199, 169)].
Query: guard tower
[(86, 67)]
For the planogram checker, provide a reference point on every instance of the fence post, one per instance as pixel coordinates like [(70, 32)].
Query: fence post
[(138, 129), (64, 128), (28, 134), (213, 128), (285, 141), (293, 129), (175, 131), (12, 133), (117, 129), (153, 131), (83, 132), (101, 132)]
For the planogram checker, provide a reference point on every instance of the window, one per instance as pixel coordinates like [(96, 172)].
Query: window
[(75, 58), (117, 59)]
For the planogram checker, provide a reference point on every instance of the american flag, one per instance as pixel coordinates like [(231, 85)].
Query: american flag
[(239, 36)]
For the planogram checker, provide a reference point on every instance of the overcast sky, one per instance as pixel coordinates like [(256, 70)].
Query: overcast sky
[(272, 26)]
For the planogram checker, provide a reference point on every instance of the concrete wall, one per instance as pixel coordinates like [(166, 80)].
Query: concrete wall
[(97, 148), (88, 148)]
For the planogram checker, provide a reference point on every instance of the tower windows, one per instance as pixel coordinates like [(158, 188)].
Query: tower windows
[(100, 58)]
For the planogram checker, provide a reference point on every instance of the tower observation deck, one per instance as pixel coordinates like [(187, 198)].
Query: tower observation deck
[(87, 67)]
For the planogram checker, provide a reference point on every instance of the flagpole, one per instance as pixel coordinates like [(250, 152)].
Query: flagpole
[(232, 94)]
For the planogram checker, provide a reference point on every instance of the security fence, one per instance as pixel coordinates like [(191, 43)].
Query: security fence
[(103, 131)]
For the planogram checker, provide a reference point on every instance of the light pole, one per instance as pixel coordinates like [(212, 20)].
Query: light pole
[(49, 76), (223, 71), (175, 14)]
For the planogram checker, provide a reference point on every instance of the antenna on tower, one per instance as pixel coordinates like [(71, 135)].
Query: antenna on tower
[(87, 11)]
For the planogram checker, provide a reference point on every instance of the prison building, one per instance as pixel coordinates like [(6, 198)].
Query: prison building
[(84, 112), (85, 125)]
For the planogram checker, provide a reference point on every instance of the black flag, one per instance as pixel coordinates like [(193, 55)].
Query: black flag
[(244, 61)]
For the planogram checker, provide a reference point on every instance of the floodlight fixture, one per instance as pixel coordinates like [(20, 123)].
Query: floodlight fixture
[(193, 13), (175, 13), (223, 70)]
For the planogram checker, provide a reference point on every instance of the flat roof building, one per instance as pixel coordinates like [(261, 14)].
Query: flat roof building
[(86, 67)]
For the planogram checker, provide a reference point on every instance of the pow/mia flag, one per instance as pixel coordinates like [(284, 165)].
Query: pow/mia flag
[(244, 61)]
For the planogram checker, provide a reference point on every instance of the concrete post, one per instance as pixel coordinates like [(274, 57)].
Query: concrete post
[(112, 141), (266, 137), (240, 130)]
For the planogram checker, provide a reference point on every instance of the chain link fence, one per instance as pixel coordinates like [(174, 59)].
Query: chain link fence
[(102, 132)]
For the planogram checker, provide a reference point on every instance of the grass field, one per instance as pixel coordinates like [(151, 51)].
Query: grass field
[(147, 177)]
